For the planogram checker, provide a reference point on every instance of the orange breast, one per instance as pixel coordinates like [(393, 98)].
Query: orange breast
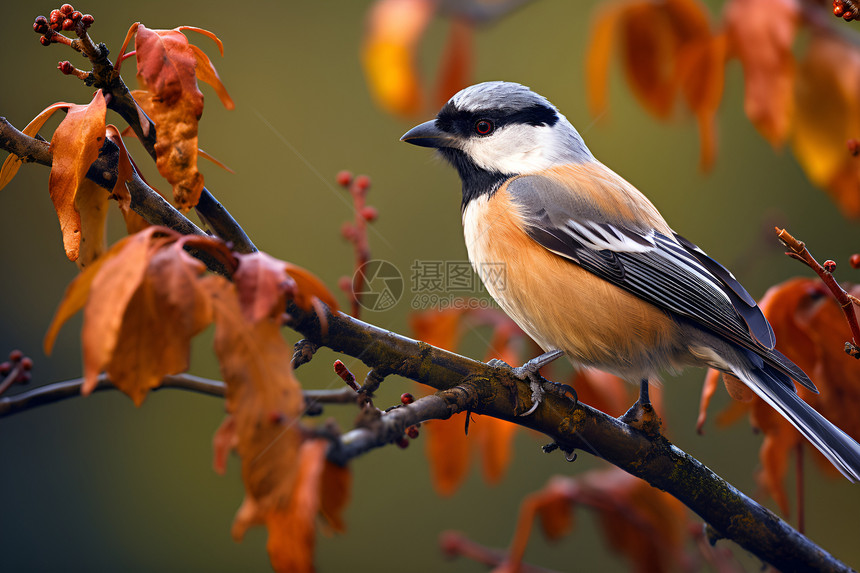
[(562, 306)]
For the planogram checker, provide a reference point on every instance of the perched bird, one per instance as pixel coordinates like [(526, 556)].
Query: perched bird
[(593, 270)]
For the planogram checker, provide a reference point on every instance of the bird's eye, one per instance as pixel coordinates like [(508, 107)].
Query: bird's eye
[(484, 127)]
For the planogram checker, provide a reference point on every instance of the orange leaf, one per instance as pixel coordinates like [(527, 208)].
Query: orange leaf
[(75, 146), (448, 450), (830, 72), (262, 284), (763, 45), (335, 492), (206, 72), (77, 293), (91, 202), (125, 172), (13, 162), (648, 47), (111, 290), (206, 33), (166, 67), (389, 55), (281, 475), (604, 28), (223, 442), (166, 311), (702, 65), (456, 66), (309, 286), (291, 533)]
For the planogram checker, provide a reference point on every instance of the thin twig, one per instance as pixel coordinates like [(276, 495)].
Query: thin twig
[(798, 250)]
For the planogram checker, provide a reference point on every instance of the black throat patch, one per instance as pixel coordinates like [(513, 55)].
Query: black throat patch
[(476, 181)]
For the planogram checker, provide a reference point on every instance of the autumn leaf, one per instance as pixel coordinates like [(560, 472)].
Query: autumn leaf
[(763, 44), (13, 162), (335, 492), (167, 310), (638, 521), (389, 54), (448, 448), (91, 203), (455, 68), (829, 72), (168, 68), (666, 48), (811, 331), (125, 171), (75, 146)]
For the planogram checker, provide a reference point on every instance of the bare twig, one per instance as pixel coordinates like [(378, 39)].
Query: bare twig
[(798, 250)]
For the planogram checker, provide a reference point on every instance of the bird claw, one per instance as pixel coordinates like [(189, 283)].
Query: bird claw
[(529, 372)]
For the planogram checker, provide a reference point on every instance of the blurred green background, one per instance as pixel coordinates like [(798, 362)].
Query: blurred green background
[(99, 485)]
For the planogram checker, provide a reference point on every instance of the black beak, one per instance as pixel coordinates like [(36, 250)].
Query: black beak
[(428, 135)]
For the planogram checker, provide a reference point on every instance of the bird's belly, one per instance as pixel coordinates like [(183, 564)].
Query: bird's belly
[(562, 306)]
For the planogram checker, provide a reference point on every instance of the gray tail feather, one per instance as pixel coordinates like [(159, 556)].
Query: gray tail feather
[(777, 390)]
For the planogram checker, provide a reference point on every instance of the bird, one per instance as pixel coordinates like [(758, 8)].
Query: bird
[(592, 270)]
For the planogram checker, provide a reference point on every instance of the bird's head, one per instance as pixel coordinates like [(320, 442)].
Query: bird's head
[(495, 130)]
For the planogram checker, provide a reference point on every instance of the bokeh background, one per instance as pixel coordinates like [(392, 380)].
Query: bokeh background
[(99, 485)]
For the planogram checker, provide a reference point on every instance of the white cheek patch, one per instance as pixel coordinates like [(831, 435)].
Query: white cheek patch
[(512, 149)]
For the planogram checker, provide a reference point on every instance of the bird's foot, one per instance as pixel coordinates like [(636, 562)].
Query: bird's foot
[(642, 415), (539, 385)]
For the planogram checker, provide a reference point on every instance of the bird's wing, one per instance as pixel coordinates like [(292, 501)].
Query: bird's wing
[(666, 270)]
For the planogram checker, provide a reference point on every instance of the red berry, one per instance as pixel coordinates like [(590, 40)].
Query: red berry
[(68, 24), (5, 367), (24, 378), (407, 398), (16, 355), (369, 213), (87, 20), (27, 363), (830, 266), (838, 8), (56, 18), (66, 9), (345, 284), (44, 41), (347, 231), (402, 442), (344, 178), (412, 432), (75, 15), (362, 182), (854, 261), (66, 67)]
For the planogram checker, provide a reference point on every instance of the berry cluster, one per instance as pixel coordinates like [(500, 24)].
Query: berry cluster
[(846, 9), (15, 370), (65, 18)]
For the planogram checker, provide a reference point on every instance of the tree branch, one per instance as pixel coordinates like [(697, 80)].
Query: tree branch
[(466, 384), (59, 391)]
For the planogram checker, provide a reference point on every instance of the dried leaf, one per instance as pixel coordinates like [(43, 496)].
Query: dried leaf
[(262, 284), (456, 66), (91, 202), (167, 68), (110, 293), (604, 29), (223, 442), (389, 57), (309, 287), (166, 311), (763, 43), (335, 493), (829, 72), (648, 48), (13, 162), (75, 146), (206, 72), (125, 171)]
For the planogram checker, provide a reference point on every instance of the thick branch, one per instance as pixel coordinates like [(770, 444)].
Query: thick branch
[(484, 390)]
